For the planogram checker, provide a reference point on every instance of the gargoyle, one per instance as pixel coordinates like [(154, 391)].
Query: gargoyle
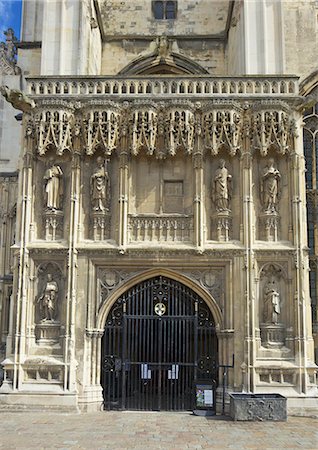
[(18, 99)]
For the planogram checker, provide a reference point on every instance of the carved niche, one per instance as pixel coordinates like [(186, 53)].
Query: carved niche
[(271, 299), (270, 187), (221, 191), (53, 190), (48, 303), (100, 199)]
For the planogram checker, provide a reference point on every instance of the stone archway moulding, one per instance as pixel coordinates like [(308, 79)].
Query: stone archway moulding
[(309, 84), (209, 300)]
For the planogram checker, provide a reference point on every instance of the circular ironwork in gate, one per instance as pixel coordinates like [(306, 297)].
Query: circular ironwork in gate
[(160, 309), (159, 342)]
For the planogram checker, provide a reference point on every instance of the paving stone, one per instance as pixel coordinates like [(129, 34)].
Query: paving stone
[(140, 431)]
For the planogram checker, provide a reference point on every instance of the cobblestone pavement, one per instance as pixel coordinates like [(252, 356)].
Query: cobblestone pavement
[(136, 430)]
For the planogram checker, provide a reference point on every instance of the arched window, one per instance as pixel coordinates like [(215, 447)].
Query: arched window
[(164, 10), (311, 159), (158, 10), (170, 10)]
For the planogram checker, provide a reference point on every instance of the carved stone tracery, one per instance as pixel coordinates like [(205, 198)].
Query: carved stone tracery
[(223, 130), (273, 128), (54, 130), (160, 128), (101, 130)]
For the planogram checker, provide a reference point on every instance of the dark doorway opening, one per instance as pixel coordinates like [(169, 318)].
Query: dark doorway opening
[(159, 343)]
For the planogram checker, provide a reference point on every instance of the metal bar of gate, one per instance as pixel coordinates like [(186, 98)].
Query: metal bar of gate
[(196, 330), (123, 405)]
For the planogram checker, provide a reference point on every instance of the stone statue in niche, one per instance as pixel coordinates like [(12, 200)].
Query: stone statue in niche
[(272, 304), (53, 186), (270, 187), (48, 300), (100, 187), (221, 188)]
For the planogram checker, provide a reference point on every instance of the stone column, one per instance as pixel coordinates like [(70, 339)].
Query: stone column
[(123, 186), (92, 397), (304, 349), (248, 239), (198, 200), (70, 319), (22, 267)]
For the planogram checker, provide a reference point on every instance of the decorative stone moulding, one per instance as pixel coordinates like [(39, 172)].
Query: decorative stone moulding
[(47, 334), (54, 127), (269, 226), (223, 224), (167, 228), (132, 86), (100, 128), (109, 109), (53, 223), (273, 128), (101, 225), (43, 370), (272, 335), (223, 129)]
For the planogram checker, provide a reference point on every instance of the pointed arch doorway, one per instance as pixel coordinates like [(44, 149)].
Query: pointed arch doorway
[(159, 344)]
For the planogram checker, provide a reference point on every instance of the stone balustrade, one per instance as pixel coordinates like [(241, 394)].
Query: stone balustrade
[(164, 228), (200, 86)]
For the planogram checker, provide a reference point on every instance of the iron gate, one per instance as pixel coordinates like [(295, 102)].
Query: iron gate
[(159, 342)]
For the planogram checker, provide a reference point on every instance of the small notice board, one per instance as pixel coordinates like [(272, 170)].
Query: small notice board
[(204, 396)]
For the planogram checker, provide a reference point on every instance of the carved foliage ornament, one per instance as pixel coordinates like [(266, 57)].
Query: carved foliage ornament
[(159, 129), (54, 131), (101, 129), (144, 131), (223, 130), (273, 129)]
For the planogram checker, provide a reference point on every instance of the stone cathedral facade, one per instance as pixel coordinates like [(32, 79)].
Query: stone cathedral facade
[(158, 229)]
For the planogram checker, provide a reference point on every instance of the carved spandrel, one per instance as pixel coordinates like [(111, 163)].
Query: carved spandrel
[(212, 280), (110, 279)]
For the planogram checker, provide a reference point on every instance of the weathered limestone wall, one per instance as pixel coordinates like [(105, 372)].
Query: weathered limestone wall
[(136, 18), (68, 34), (30, 61), (65, 50), (8, 199), (129, 27), (10, 129), (235, 49), (300, 22), (256, 46), (32, 21), (210, 54)]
